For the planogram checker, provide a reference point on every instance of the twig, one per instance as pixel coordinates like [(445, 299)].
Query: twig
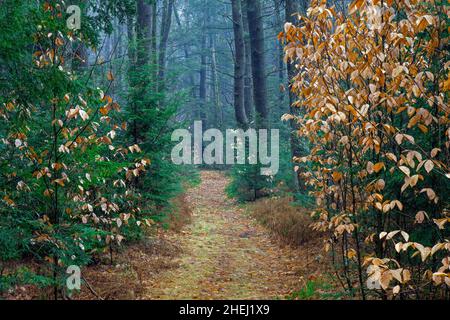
[(91, 289)]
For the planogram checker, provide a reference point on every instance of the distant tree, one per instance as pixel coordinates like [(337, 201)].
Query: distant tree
[(256, 30), (239, 64)]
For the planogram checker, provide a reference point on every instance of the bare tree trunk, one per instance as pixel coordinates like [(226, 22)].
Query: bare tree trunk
[(239, 64), (280, 55), (218, 121), (143, 50), (255, 24), (144, 32), (165, 30), (154, 53), (131, 68), (202, 87), (186, 57), (131, 40), (297, 148), (248, 82)]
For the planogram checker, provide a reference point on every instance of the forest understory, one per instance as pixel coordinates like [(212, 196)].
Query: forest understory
[(217, 251), (222, 253)]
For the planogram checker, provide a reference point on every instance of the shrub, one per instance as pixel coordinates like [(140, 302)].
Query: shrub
[(373, 88), (289, 222)]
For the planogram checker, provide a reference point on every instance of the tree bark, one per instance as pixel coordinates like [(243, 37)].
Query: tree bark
[(154, 46), (280, 56), (144, 32), (297, 146), (131, 69), (165, 30), (193, 114), (248, 82), (255, 25), (215, 83), (202, 87), (239, 64)]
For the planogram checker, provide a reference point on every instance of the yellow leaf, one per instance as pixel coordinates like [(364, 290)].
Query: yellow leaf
[(413, 180), (351, 254), (391, 156), (441, 223), (413, 121), (380, 184), (397, 274), (355, 6), (405, 170), (396, 290), (104, 110), (423, 128), (377, 167), (399, 138), (9, 106), (337, 176), (405, 235), (430, 193), (385, 279), (391, 234), (437, 247), (434, 152), (379, 206), (429, 165), (406, 276), (110, 76), (369, 167), (59, 42), (60, 182), (424, 251), (420, 216)]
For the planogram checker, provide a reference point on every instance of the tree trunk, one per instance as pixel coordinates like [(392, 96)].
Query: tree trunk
[(154, 46), (215, 82), (143, 45), (255, 24), (144, 32), (165, 29), (297, 147), (131, 69), (280, 56), (239, 64), (202, 87), (193, 113), (248, 82)]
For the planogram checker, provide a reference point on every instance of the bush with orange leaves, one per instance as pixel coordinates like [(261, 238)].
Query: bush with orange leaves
[(373, 88)]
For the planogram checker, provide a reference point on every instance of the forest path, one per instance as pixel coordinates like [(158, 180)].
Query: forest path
[(226, 254)]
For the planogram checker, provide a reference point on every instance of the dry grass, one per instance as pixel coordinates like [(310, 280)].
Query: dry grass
[(223, 253), (182, 215), (134, 266), (290, 223), (140, 263)]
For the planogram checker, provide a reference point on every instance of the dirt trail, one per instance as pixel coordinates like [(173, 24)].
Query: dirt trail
[(226, 254)]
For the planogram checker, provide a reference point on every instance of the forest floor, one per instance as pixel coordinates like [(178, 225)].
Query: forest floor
[(223, 253), (226, 253), (215, 249)]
